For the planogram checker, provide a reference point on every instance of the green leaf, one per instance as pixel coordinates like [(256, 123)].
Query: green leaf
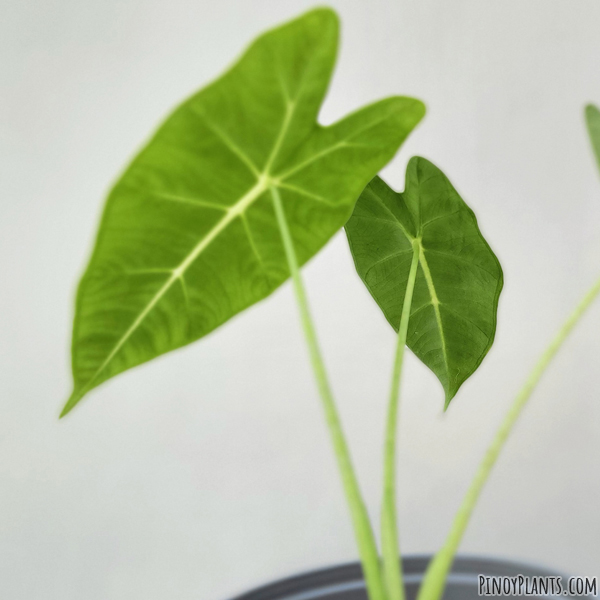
[(459, 279), (592, 117), (189, 237)]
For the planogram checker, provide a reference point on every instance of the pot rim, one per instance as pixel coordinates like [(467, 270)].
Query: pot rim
[(311, 585)]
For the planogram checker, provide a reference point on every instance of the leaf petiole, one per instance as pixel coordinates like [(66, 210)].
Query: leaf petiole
[(438, 569), (360, 520), (392, 564)]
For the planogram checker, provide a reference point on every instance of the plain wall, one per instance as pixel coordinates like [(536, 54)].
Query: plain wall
[(209, 470)]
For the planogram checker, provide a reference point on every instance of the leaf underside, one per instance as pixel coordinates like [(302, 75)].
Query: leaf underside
[(189, 238), (592, 117), (459, 279)]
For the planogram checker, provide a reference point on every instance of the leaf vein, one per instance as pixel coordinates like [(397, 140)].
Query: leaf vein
[(227, 141), (254, 247), (460, 259), (304, 192), (435, 302)]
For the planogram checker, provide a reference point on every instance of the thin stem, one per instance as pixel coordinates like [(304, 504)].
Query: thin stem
[(435, 577), (362, 526), (392, 564)]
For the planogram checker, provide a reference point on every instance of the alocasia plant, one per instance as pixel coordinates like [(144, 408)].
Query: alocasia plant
[(237, 189)]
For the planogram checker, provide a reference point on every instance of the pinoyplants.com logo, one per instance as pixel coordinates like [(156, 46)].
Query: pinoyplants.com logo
[(523, 585)]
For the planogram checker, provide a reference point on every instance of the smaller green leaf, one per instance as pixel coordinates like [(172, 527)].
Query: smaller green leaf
[(592, 117), (453, 314)]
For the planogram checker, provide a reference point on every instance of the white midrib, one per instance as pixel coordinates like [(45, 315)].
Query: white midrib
[(261, 186), (263, 183), (435, 301)]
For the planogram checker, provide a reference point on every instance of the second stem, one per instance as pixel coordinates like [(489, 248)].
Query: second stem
[(392, 564)]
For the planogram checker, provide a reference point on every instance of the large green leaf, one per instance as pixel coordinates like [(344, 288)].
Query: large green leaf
[(459, 279), (592, 117), (189, 237)]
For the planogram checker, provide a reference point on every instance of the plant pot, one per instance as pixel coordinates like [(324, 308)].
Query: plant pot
[(345, 582)]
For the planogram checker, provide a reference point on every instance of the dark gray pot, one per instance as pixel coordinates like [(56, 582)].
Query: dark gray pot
[(345, 582)]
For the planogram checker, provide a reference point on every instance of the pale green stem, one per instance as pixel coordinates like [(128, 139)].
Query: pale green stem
[(433, 584), (392, 564), (360, 519)]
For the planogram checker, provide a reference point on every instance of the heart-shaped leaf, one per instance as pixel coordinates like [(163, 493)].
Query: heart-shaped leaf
[(189, 237), (459, 279), (592, 117)]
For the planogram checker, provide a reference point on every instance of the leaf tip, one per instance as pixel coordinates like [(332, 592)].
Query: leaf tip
[(324, 11), (325, 15), (447, 402), (420, 106), (449, 393), (592, 119), (412, 110), (74, 398), (591, 110), (413, 161)]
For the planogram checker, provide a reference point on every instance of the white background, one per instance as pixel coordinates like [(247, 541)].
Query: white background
[(209, 471)]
